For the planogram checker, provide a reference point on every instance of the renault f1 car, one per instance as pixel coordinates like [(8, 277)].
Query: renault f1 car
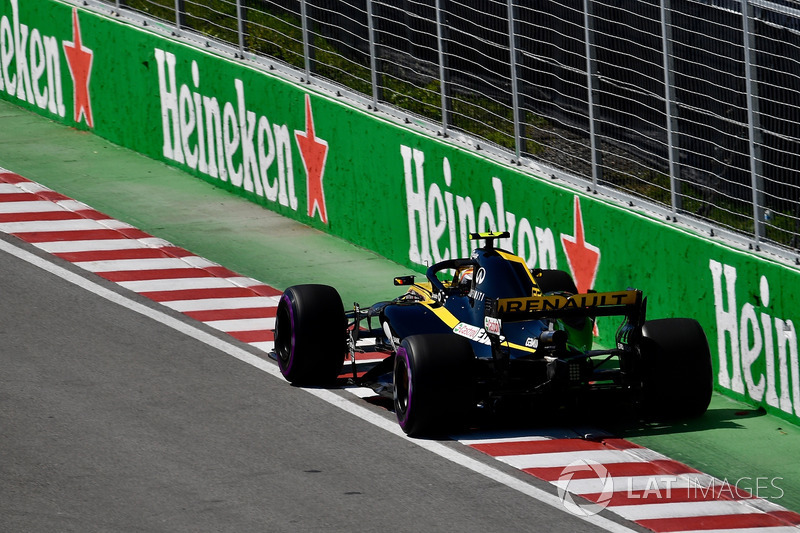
[(483, 330)]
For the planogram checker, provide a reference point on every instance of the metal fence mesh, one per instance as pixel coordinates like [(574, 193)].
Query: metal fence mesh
[(685, 103)]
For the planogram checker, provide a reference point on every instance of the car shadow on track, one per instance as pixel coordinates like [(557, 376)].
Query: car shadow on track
[(714, 418), (610, 419), (606, 417)]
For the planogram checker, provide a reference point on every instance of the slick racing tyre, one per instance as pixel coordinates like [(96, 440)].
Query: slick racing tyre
[(555, 281), (551, 281), (677, 377), (433, 380), (310, 334)]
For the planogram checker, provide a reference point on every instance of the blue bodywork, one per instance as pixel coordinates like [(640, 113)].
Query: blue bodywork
[(526, 341)]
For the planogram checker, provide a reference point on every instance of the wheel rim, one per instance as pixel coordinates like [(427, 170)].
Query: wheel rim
[(402, 386), (284, 335)]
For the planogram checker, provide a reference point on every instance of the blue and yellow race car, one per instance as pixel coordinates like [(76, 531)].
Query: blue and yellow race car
[(485, 331)]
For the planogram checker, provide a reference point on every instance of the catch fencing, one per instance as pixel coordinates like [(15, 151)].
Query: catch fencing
[(692, 105)]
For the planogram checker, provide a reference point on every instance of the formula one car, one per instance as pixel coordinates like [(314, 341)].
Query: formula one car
[(495, 331)]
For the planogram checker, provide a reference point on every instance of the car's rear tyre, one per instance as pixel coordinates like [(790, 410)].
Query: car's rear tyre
[(555, 281), (433, 382), (677, 377), (310, 334), (552, 281)]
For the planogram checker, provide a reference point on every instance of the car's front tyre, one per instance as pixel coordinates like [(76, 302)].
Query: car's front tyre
[(310, 334)]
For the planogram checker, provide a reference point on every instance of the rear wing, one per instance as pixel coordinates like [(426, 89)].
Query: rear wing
[(592, 304)]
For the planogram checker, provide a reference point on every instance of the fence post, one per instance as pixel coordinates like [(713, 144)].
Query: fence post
[(756, 175), (512, 49), (240, 25), (670, 109), (373, 61), (442, 70), (591, 72), (180, 13), (306, 55)]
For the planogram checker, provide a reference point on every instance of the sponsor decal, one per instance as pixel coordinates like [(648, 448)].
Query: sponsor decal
[(313, 151), (466, 330), (79, 60), (231, 142), (480, 276), (30, 66), (439, 222), (582, 257), (757, 352), (492, 325), (532, 342), (476, 295), (471, 332), (559, 303)]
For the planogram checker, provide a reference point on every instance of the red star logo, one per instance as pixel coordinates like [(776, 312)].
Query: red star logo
[(80, 67), (314, 152), (583, 258)]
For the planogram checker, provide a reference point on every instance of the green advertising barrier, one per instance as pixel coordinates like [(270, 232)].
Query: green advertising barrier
[(408, 196)]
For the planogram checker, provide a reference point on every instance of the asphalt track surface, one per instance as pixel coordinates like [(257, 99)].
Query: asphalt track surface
[(115, 421)]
